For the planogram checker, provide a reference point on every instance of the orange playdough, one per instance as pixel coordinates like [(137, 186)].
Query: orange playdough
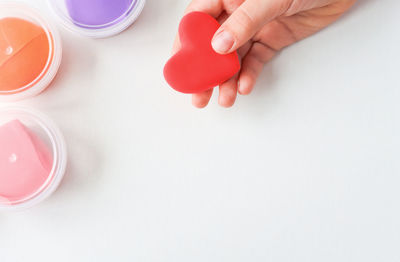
[(24, 52)]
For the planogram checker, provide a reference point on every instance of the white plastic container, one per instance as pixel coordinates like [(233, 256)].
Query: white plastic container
[(30, 52), (97, 18), (34, 161)]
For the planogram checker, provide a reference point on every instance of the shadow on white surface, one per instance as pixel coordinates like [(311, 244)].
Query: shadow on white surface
[(359, 4), (82, 177)]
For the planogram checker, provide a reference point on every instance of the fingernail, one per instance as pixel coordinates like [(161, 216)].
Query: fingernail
[(223, 42)]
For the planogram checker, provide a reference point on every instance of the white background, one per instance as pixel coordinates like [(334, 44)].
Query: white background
[(304, 169)]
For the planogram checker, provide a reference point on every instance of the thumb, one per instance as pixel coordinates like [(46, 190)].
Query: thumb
[(244, 23)]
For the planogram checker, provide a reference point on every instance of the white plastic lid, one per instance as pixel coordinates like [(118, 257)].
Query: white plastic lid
[(30, 52), (97, 18), (33, 157)]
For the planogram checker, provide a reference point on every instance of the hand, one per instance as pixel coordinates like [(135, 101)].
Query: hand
[(258, 29)]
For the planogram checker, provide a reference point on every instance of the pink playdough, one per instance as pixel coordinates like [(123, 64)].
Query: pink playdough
[(25, 162)]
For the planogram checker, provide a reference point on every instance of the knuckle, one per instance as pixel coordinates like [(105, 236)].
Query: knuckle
[(243, 21)]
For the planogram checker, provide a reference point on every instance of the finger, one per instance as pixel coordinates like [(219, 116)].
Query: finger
[(252, 66), (243, 24), (242, 52), (211, 7), (222, 17), (176, 46), (201, 100), (228, 92)]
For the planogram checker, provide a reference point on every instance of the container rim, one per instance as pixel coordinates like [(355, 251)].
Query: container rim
[(59, 149), (48, 73), (100, 31)]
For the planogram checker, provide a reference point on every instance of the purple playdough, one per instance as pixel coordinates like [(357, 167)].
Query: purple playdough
[(98, 12)]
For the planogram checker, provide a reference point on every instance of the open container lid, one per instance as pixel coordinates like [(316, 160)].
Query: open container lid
[(97, 18), (30, 52), (33, 157)]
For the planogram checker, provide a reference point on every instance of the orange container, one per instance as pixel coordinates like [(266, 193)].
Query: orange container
[(30, 52)]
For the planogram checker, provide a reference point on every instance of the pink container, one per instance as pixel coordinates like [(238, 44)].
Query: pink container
[(33, 157)]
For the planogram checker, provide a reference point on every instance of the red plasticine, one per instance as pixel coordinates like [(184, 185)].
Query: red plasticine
[(197, 67)]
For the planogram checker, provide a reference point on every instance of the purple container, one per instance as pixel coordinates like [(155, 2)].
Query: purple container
[(97, 18)]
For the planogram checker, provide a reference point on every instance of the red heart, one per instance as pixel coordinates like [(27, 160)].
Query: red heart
[(197, 67)]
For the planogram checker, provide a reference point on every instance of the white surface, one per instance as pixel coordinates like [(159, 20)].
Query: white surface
[(305, 169)]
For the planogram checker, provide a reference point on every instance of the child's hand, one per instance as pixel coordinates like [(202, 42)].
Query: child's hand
[(258, 29)]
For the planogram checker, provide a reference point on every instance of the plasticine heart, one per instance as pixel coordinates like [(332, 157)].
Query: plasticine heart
[(197, 67)]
